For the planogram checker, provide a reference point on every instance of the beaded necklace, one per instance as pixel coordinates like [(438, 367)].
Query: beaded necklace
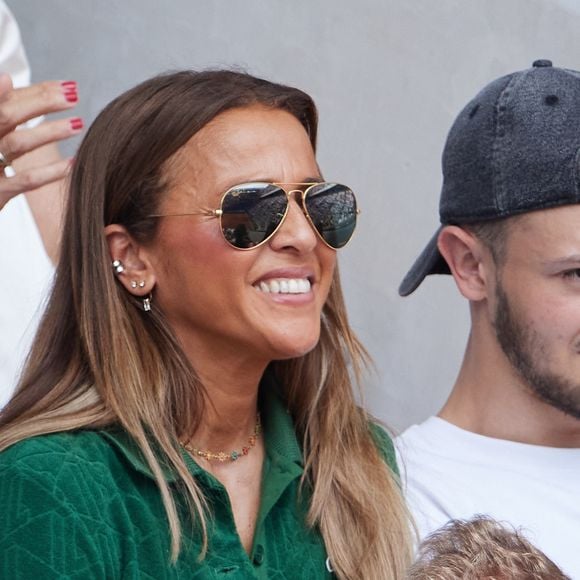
[(222, 456)]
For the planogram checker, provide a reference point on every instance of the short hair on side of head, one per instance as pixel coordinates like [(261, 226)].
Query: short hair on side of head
[(481, 548), (493, 234)]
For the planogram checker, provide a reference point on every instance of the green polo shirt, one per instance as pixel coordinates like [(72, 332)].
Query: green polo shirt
[(84, 505)]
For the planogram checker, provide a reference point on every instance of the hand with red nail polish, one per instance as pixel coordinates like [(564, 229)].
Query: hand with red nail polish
[(33, 146)]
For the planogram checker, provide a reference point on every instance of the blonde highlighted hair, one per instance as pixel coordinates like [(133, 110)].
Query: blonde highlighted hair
[(98, 360), (481, 549)]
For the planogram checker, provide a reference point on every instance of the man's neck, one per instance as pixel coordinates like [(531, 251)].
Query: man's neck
[(490, 398)]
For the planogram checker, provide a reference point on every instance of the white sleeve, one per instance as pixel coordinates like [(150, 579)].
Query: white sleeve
[(12, 56)]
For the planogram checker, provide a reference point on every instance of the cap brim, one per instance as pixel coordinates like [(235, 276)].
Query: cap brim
[(429, 262)]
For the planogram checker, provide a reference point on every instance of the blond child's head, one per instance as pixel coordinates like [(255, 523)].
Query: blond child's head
[(481, 549)]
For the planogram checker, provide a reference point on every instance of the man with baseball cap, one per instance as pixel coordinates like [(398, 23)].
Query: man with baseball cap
[(507, 441)]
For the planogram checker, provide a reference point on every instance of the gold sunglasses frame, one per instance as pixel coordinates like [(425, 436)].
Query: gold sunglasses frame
[(217, 213)]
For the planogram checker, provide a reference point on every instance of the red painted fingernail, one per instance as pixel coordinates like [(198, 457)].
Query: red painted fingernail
[(71, 97), (76, 124), (70, 91)]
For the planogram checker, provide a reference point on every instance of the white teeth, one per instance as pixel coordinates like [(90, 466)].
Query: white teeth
[(284, 286)]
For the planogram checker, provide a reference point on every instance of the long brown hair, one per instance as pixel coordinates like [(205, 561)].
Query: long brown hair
[(99, 360)]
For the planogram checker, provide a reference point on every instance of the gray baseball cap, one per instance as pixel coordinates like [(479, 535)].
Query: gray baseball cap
[(514, 148)]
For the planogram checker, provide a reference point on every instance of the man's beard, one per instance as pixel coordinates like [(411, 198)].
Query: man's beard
[(525, 350)]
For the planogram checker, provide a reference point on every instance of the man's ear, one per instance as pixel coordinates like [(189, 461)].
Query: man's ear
[(132, 265), (469, 260)]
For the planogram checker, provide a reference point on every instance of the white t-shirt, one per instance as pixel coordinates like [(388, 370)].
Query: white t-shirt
[(449, 473), (25, 269)]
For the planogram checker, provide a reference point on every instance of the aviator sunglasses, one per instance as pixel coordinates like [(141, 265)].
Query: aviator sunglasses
[(251, 213)]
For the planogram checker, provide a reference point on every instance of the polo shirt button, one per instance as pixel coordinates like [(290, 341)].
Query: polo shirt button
[(259, 555)]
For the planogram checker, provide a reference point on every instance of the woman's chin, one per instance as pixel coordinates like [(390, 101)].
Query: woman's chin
[(296, 348)]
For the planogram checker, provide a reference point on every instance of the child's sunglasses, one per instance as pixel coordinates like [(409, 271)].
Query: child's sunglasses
[(251, 213)]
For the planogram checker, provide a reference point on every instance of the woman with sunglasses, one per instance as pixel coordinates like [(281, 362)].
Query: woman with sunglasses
[(187, 408)]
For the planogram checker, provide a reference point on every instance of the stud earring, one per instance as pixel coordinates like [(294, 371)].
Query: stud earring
[(141, 283), (147, 303), (133, 284), (118, 266)]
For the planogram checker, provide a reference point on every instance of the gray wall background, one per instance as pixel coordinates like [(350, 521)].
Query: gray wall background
[(388, 76)]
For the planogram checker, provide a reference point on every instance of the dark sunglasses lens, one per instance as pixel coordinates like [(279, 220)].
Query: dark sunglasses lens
[(251, 212), (332, 209)]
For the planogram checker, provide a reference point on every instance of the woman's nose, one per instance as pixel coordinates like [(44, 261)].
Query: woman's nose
[(296, 230)]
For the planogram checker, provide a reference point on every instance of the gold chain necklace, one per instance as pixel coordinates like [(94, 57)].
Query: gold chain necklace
[(222, 456)]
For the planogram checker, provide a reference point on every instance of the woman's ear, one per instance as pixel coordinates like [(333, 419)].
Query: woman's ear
[(129, 261), (469, 260)]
